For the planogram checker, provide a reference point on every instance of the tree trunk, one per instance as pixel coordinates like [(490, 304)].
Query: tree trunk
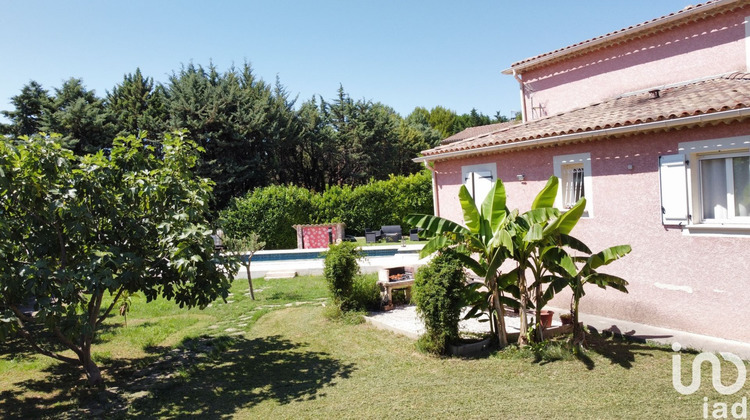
[(538, 328), (579, 335), (502, 335), (250, 279), (93, 373), (523, 339)]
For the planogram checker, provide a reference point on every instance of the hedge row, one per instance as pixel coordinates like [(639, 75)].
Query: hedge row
[(271, 211)]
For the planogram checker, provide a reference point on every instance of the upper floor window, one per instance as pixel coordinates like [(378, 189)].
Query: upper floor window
[(574, 173)]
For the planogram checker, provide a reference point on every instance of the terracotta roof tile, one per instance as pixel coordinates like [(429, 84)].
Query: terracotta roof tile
[(477, 131), (691, 99)]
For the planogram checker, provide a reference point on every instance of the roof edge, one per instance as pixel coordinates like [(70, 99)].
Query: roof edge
[(622, 33), (591, 135)]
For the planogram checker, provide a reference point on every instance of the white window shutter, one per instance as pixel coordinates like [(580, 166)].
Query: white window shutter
[(479, 185), (674, 193)]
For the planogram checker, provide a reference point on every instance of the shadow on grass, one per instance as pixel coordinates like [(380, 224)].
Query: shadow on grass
[(209, 376), (619, 349)]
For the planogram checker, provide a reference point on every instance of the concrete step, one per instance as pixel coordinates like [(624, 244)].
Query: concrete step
[(280, 275)]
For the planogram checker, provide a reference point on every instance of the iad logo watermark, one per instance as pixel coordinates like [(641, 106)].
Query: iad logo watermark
[(721, 410)]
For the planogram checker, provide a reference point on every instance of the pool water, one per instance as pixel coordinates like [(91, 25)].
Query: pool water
[(286, 255)]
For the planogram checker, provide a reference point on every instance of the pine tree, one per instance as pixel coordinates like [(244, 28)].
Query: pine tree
[(30, 106), (137, 105)]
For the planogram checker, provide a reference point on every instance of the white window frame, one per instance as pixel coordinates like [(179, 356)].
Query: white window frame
[(560, 162), (731, 218), (695, 152), (480, 168)]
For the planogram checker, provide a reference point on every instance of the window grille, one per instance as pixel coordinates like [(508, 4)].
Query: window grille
[(573, 190)]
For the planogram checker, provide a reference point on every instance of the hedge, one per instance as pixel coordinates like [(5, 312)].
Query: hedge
[(271, 211)]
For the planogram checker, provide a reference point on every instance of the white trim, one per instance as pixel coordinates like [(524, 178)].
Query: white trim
[(724, 230), (585, 158)]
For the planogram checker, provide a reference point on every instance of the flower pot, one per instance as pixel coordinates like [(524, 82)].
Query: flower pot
[(566, 319), (546, 318)]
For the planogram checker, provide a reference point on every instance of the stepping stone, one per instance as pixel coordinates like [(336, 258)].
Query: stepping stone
[(280, 275)]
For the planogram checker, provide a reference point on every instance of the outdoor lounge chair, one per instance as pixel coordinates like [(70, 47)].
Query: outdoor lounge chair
[(392, 233), (372, 236)]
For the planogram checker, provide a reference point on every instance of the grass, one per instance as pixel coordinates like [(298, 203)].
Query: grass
[(280, 357)]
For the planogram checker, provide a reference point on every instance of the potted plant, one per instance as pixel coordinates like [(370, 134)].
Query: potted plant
[(566, 319), (546, 318)]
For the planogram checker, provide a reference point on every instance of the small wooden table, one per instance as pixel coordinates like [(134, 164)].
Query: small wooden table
[(387, 288)]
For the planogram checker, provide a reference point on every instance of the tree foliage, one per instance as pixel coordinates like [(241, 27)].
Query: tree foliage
[(255, 134), (75, 229), (137, 105), (272, 211), (31, 105)]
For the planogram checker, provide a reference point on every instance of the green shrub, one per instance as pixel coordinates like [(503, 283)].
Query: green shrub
[(438, 292), (340, 269), (366, 293), (270, 212)]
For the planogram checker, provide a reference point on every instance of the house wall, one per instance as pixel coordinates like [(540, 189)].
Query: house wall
[(693, 283), (709, 47)]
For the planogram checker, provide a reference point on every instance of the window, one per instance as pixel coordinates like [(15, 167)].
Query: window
[(574, 172), (572, 184), (725, 188), (479, 179), (706, 189)]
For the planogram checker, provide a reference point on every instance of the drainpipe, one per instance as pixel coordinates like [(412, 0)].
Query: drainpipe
[(523, 95)]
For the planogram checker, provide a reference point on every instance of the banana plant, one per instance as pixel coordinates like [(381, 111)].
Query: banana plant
[(580, 271), (538, 235), (485, 235)]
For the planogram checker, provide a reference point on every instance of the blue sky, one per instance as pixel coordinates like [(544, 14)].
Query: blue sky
[(401, 53)]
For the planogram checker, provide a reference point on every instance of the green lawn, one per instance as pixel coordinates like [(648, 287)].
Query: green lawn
[(279, 357)]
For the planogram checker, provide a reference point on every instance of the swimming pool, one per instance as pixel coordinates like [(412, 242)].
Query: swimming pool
[(314, 254)]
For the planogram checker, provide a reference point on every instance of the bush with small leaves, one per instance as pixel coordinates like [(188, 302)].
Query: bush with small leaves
[(340, 269), (438, 293)]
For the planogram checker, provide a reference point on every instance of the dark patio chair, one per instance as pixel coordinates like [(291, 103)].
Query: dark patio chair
[(372, 236)]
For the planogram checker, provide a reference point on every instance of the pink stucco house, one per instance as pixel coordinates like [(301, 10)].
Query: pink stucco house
[(651, 124)]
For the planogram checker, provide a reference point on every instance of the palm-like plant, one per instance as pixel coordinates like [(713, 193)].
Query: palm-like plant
[(537, 240), (485, 236), (579, 271), (538, 235)]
